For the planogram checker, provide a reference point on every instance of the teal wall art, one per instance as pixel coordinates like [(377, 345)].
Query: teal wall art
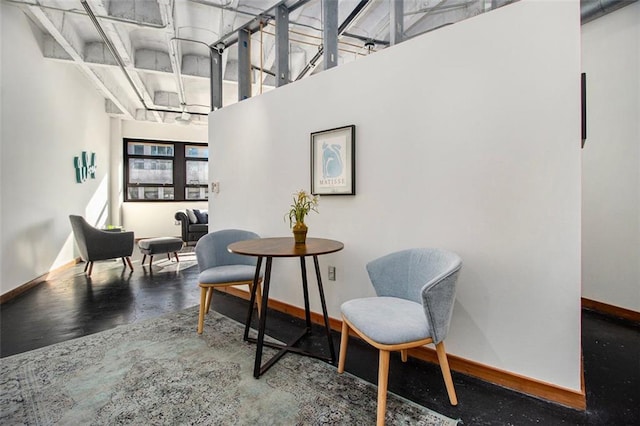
[(85, 166)]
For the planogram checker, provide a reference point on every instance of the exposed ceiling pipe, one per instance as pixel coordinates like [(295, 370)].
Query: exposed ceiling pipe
[(594, 9), (251, 27), (440, 8), (120, 62), (80, 12), (291, 8), (366, 39), (167, 12), (223, 7)]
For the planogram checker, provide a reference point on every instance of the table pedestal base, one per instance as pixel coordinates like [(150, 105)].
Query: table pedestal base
[(260, 369)]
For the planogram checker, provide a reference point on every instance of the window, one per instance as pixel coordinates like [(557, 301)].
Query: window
[(165, 171)]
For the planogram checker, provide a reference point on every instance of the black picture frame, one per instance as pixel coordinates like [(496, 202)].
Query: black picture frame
[(333, 161), (583, 107)]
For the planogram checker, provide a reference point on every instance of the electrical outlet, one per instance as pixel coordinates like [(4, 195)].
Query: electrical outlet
[(332, 273)]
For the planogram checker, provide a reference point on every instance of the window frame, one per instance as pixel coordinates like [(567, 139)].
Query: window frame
[(179, 160)]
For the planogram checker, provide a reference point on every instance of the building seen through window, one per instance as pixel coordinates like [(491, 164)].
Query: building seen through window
[(165, 171)]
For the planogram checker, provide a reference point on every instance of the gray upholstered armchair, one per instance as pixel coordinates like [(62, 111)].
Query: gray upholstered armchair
[(220, 268), (415, 290), (95, 244)]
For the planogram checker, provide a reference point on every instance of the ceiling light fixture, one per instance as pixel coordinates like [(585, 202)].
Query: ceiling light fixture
[(184, 118), (369, 45)]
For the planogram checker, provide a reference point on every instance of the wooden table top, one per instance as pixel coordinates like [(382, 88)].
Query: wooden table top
[(285, 247)]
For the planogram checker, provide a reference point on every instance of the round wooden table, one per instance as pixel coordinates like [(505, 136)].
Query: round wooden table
[(285, 247)]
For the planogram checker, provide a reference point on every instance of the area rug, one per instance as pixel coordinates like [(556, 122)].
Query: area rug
[(161, 372)]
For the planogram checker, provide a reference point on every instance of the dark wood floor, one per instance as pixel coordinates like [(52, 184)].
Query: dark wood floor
[(73, 305)]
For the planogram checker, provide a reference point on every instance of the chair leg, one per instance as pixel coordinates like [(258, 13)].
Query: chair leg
[(383, 375), (90, 268), (150, 260), (403, 355), (203, 293), (175, 253), (446, 373), (86, 266), (168, 256), (259, 298), (144, 257), (344, 339), (129, 262), (209, 297)]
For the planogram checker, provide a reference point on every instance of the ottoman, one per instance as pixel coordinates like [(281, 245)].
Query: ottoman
[(151, 246)]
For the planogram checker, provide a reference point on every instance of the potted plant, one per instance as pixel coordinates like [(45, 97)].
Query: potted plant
[(303, 203)]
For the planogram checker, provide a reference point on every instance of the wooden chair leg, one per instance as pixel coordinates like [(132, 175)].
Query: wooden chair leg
[(90, 268), (168, 256), (144, 257), (446, 373), (123, 262), (209, 297), (203, 293), (86, 266), (150, 260), (129, 262), (383, 375), (175, 253), (403, 355), (259, 297), (344, 339)]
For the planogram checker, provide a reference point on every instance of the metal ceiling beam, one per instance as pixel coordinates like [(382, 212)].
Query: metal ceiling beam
[(298, 5), (74, 11), (112, 48), (223, 7), (215, 79), (253, 25), (121, 64), (420, 16), (330, 33), (166, 14), (68, 39), (123, 46), (244, 65), (396, 21), (341, 29), (594, 9), (193, 65), (282, 46)]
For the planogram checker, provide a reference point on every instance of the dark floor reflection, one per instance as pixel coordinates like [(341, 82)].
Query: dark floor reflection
[(73, 305)]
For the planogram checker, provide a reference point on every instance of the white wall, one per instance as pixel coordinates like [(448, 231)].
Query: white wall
[(50, 114), (467, 138), (151, 219), (611, 159)]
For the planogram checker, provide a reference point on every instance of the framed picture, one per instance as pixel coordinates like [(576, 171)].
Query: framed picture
[(333, 161)]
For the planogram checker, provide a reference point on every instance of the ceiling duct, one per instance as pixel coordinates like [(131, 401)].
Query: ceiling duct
[(122, 66), (594, 9)]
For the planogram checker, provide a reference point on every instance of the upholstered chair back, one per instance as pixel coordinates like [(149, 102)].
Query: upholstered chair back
[(79, 225), (424, 275), (211, 250)]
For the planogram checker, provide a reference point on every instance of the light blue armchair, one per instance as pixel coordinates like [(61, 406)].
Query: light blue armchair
[(415, 294), (220, 268)]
